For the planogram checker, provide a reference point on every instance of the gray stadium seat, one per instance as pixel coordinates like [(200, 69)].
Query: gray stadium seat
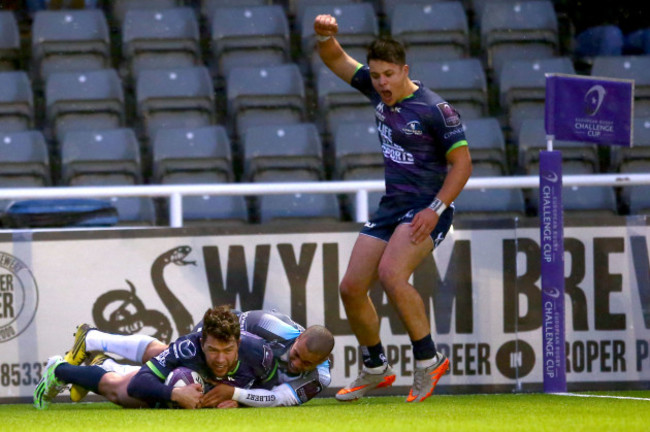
[(356, 146), (208, 7), (297, 8), (357, 27), (91, 100), (486, 141), (339, 102), (9, 42), (119, 8), (480, 204), (523, 87), (636, 199), (16, 102), (363, 173), (628, 67), (532, 139), (265, 96), (175, 98), (640, 149), (100, 157), (249, 36), (160, 39), (24, 158), (192, 150), (70, 41), (208, 209), (460, 82), (282, 147), (431, 31), (585, 201), (299, 208), (523, 30)]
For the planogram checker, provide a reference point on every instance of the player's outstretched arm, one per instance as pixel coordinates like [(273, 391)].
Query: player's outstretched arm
[(330, 51)]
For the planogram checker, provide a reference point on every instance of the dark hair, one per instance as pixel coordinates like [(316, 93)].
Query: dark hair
[(221, 323), (319, 340), (388, 50)]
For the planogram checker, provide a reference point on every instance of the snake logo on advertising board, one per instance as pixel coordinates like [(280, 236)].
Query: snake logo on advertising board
[(18, 297)]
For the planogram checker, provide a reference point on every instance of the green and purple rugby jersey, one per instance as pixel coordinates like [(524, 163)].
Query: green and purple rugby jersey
[(415, 135)]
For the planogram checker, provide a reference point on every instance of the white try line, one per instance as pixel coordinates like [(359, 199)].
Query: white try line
[(601, 396)]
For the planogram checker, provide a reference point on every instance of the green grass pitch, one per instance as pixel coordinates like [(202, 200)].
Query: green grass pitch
[(449, 413)]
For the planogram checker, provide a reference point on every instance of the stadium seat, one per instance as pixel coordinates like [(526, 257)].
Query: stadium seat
[(70, 41), (636, 68), (481, 204), (357, 28), (297, 8), (460, 82), (260, 96), (486, 142), (9, 42), (16, 102), (208, 209), (100, 157), (208, 7), (635, 199), (532, 139), (160, 39), (91, 100), (585, 201), (119, 8), (431, 31), (362, 173), (192, 150), (285, 147), (356, 146), (134, 211), (525, 30), (637, 42), (249, 36), (175, 98), (640, 149), (299, 208), (24, 159), (523, 87), (339, 103)]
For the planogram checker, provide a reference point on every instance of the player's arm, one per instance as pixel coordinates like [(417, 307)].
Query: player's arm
[(330, 51), (148, 385), (460, 168)]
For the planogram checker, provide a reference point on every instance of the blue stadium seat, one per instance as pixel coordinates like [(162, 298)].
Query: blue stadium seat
[(431, 31), (486, 141), (70, 41), (16, 102), (119, 8), (356, 146), (640, 149), (605, 40)]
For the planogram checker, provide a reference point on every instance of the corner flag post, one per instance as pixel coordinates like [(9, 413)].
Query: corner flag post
[(589, 109)]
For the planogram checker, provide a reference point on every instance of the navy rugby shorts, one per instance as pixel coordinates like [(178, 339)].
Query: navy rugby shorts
[(389, 215)]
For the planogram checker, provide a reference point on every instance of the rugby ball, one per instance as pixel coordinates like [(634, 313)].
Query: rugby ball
[(182, 376)]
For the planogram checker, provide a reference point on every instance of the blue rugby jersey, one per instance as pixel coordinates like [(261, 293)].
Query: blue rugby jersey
[(415, 136)]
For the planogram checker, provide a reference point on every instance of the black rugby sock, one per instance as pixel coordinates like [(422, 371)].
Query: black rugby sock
[(87, 377), (424, 348)]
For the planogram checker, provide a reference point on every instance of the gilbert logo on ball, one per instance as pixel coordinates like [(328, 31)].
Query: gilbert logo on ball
[(18, 297)]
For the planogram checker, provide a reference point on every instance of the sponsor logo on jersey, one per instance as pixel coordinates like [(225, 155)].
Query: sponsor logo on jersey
[(370, 224), (18, 297), (451, 117), (397, 154), (186, 349), (452, 133), (162, 357), (413, 128), (379, 110)]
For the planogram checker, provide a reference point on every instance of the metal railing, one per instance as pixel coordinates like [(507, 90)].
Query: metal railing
[(175, 193)]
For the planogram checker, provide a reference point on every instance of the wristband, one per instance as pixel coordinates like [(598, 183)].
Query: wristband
[(322, 38), (438, 206)]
